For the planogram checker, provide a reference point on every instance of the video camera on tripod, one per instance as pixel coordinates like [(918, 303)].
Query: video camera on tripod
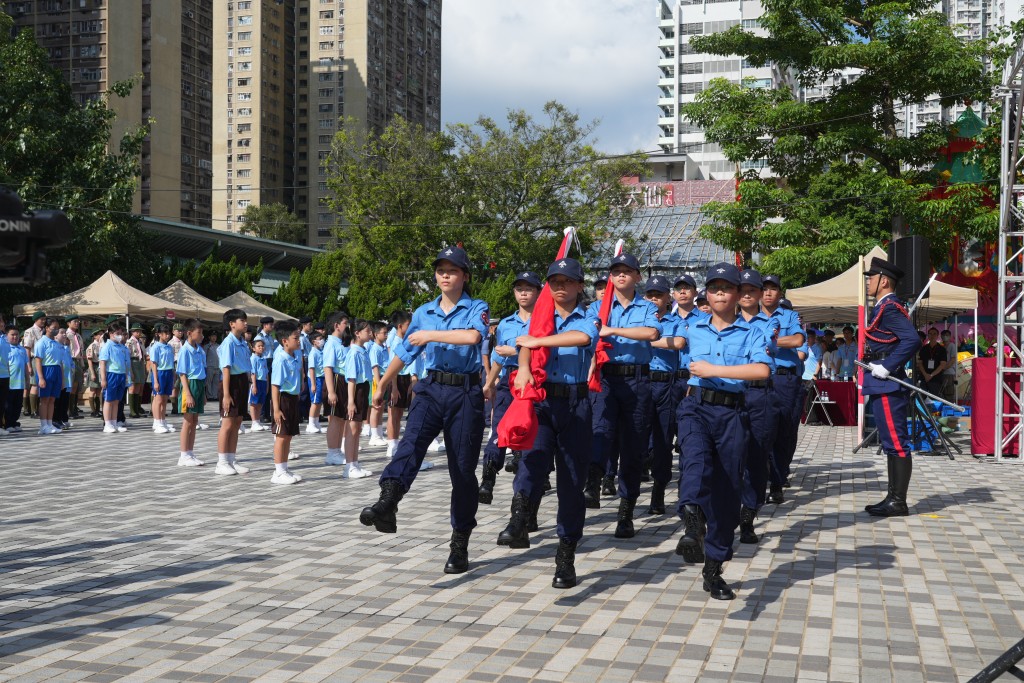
[(24, 237)]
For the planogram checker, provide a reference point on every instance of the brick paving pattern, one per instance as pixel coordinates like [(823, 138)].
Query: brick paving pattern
[(117, 565)]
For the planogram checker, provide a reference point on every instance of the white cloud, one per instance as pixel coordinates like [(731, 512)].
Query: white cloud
[(597, 57)]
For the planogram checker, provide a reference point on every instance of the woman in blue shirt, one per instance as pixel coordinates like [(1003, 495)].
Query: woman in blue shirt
[(48, 354), (448, 332)]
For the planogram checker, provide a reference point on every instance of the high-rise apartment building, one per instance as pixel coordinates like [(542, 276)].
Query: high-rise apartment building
[(99, 42)]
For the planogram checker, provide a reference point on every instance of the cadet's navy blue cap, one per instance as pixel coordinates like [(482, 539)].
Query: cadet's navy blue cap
[(686, 280), (318, 325), (601, 278), (723, 271), (454, 255), (568, 267), (786, 303), (772, 280), (751, 277), (702, 294), (656, 283), (529, 277), (625, 259)]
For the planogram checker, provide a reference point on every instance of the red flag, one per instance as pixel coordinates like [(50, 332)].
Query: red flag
[(605, 312), (518, 428)]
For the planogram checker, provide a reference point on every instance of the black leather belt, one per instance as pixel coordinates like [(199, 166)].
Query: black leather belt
[(712, 397), (682, 374), (785, 371), (454, 379), (555, 390), (624, 370), (758, 384), (870, 357), (661, 376)]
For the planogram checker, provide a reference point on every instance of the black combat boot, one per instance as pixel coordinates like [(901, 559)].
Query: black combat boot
[(608, 485), (624, 528), (381, 515), (900, 481), (565, 567), (532, 508), (515, 535), (512, 464), (487, 481), (775, 494), (884, 503), (657, 506), (747, 534), (714, 583), (691, 543), (458, 558), (592, 491)]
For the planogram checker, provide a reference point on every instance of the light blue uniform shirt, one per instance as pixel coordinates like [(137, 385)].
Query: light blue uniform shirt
[(508, 329), (738, 344), (286, 371), (269, 343), (17, 357), (5, 354), (639, 313), (67, 364), (316, 361), (304, 344), (789, 324), (667, 360), (571, 364), (768, 327), (334, 355), (468, 314), (118, 358), (48, 350), (415, 368), (813, 361), (379, 357), (192, 362), (259, 367), (357, 365), (845, 355), (685, 320), (234, 353), (162, 356)]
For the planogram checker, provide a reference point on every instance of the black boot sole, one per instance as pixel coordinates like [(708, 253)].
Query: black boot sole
[(369, 517), (748, 536), (719, 593), (456, 568), (656, 510), (563, 582), (622, 531), (889, 512), (591, 503), (486, 497), (692, 549)]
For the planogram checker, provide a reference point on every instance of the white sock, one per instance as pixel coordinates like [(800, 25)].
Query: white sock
[(186, 454), (393, 442), (230, 457), (280, 467), (312, 422), (222, 459)]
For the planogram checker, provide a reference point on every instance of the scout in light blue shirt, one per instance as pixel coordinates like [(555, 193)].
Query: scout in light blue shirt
[(161, 355), (234, 353), (118, 358), (737, 344), (639, 313), (571, 364), (48, 350), (468, 314), (259, 367), (334, 355), (192, 362), (357, 365), (17, 356), (379, 357), (286, 371), (5, 353), (316, 361)]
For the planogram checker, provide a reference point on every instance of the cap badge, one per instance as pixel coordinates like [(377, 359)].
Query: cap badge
[(448, 252), (720, 270), (561, 264)]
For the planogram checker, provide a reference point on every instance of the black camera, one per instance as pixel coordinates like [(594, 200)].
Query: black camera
[(24, 237)]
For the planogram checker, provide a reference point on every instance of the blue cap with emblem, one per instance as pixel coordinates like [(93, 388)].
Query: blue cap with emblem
[(656, 283), (627, 260), (702, 295), (751, 277), (771, 280), (723, 271), (454, 255), (686, 280), (529, 277), (569, 267), (786, 303)]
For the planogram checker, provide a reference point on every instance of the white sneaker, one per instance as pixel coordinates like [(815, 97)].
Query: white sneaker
[(224, 468), (14, 430), (244, 430), (202, 425), (259, 427), (107, 429), (285, 477), (312, 429), (121, 429), (323, 430), (292, 455), (169, 427), (53, 430), (189, 461), (377, 441), (3, 432), (426, 465), (366, 430), (436, 446), (335, 459), (354, 471), (160, 429), (392, 447), (239, 468)]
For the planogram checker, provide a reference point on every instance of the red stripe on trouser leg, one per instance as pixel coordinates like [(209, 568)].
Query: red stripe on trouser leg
[(892, 427)]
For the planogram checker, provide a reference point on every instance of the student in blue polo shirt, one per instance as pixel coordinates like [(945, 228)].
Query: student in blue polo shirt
[(336, 406), (234, 366), (315, 375), (378, 351), (270, 345), (115, 366), (448, 331), (47, 354), (285, 383), (358, 374), (714, 428), (161, 371), (18, 365), (622, 410), (191, 369), (5, 374)]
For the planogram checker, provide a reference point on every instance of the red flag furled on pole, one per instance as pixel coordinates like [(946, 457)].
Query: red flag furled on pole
[(518, 427), (605, 312)]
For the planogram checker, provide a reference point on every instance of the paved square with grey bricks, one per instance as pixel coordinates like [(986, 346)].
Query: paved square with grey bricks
[(117, 565)]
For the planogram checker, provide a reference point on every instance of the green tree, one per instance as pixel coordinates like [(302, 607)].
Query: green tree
[(852, 177), (315, 291), (57, 154), (273, 222), (214, 278)]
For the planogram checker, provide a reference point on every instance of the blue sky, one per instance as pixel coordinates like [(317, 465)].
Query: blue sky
[(597, 57)]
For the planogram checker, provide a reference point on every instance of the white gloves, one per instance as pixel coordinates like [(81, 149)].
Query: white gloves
[(878, 371)]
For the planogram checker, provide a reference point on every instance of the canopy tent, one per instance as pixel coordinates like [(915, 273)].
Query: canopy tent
[(108, 295), (835, 300), (252, 307), (197, 305)]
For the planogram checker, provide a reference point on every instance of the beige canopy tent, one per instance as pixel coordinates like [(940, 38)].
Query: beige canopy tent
[(197, 305), (835, 300), (252, 307), (109, 295)]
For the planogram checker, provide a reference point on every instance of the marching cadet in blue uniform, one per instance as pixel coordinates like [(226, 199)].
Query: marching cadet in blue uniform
[(787, 387), (714, 429), (760, 407), (449, 332), (622, 410), (563, 422), (891, 342), (505, 359), (664, 366)]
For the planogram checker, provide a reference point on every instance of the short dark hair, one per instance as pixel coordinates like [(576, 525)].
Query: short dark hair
[(232, 315), (335, 319), (256, 340), (377, 327), (848, 329), (284, 329), (316, 335), (400, 318), (9, 327), (193, 324), (116, 326), (161, 327), (360, 324)]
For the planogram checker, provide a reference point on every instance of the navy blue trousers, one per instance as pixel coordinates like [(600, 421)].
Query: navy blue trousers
[(622, 411), (763, 422), (502, 400), (458, 412), (563, 441), (266, 411), (890, 412), (788, 399), (663, 430), (715, 443)]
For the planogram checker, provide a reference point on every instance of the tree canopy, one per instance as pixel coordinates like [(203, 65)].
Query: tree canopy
[(273, 222)]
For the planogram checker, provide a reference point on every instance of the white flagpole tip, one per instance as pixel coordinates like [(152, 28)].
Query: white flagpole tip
[(618, 246), (568, 230)]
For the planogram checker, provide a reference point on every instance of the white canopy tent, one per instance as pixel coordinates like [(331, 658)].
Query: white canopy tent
[(252, 307), (108, 295), (197, 305)]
